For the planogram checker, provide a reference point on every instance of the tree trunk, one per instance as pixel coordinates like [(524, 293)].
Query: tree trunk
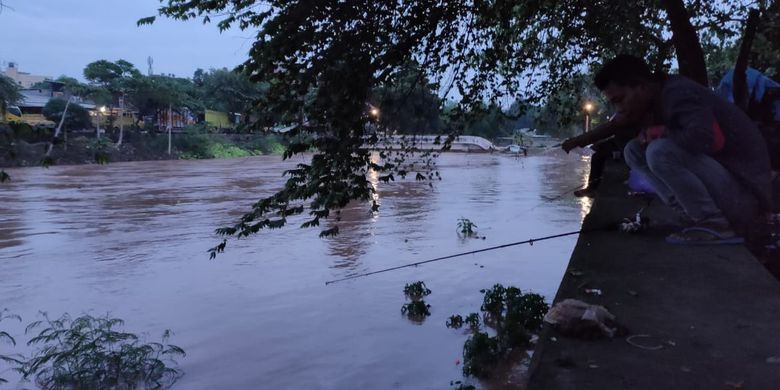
[(690, 56), (741, 95), (58, 129)]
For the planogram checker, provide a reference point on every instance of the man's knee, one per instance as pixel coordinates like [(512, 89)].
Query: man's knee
[(634, 153), (663, 154)]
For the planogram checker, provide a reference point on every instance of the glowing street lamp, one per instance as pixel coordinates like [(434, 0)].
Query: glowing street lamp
[(374, 112), (101, 111), (588, 108)]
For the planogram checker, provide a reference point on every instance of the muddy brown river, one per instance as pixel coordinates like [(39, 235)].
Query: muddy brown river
[(130, 239)]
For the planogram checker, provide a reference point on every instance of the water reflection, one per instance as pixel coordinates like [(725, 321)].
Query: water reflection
[(356, 229)]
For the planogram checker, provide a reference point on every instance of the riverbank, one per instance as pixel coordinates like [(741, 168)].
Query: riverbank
[(136, 146), (709, 313)]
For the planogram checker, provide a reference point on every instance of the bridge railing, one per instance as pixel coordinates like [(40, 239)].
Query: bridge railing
[(423, 139)]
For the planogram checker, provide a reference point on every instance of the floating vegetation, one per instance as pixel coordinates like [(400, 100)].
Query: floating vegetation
[(472, 320), (416, 310), (416, 291), (455, 322), (467, 229)]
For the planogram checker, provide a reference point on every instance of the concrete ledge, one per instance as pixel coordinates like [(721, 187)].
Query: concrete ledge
[(714, 310)]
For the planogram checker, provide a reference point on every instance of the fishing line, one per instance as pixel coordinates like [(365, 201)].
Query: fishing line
[(530, 242)]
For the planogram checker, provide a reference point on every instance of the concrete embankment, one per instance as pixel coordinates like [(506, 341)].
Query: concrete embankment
[(709, 316)]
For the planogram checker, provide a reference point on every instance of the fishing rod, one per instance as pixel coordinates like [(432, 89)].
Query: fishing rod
[(561, 195), (530, 242)]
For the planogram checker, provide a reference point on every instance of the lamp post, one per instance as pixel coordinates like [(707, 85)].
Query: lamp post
[(588, 108), (101, 111), (374, 112)]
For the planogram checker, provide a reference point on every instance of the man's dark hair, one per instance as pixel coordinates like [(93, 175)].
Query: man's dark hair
[(624, 70)]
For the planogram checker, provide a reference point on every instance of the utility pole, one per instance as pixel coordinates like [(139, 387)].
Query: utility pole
[(170, 128), (121, 119)]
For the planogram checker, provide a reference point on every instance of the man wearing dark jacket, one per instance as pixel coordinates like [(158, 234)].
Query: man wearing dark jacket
[(702, 154)]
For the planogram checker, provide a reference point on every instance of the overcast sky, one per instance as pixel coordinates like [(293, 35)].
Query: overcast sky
[(55, 37)]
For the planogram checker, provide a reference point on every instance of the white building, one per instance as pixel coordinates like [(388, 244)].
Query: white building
[(24, 79)]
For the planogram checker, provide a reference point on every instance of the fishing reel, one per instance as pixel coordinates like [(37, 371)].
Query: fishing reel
[(636, 225)]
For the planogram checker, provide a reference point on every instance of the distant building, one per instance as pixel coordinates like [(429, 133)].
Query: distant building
[(24, 79)]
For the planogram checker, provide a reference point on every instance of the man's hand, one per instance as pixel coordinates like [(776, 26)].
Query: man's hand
[(569, 144)]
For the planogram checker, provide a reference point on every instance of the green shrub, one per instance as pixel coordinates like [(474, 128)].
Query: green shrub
[(218, 150), (513, 315), (481, 353), (90, 353)]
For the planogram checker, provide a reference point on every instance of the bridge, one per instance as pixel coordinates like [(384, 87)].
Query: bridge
[(463, 143)]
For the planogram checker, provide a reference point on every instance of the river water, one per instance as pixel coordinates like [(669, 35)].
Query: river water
[(130, 239)]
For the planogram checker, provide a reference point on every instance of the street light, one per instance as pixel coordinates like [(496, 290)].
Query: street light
[(375, 112), (588, 107), (101, 111)]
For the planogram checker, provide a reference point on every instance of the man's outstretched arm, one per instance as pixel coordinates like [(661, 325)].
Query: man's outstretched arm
[(600, 132)]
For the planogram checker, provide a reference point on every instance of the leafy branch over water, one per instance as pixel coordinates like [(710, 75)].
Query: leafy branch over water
[(5, 337), (91, 353)]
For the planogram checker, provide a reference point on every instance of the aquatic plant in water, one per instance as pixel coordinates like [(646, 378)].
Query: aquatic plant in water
[(513, 315), (472, 320), (416, 310), (415, 291), (455, 322), (466, 228)]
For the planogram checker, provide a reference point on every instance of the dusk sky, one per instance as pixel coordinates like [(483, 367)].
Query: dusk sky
[(55, 37)]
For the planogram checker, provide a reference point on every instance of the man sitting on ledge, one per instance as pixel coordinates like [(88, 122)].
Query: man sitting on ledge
[(701, 154)]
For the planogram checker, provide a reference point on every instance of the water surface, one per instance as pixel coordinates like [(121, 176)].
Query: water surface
[(131, 239)]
